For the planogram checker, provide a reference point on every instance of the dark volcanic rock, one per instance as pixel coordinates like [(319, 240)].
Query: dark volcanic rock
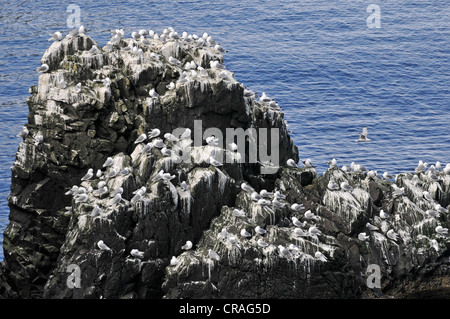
[(52, 230)]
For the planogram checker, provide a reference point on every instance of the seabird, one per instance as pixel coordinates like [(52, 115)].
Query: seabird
[(186, 134), (260, 231), (187, 245), (137, 254), (427, 196), (363, 135), (245, 233), (43, 68), (261, 243), (346, 186), (432, 213), (320, 256), (212, 141), (332, 185), (441, 231), (300, 232), (391, 234), (153, 93), (154, 133), (238, 213), (102, 245), (247, 188), (297, 222), (183, 185), (174, 261), (363, 237), (291, 163), (387, 176), (297, 207), (383, 215), (96, 211), (371, 227), (78, 88), (116, 199), (57, 36), (314, 231), (213, 255), (307, 163)]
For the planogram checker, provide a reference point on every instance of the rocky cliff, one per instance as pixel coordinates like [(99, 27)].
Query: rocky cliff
[(101, 184)]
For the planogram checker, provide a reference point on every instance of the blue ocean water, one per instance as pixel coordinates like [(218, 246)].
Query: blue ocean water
[(318, 59)]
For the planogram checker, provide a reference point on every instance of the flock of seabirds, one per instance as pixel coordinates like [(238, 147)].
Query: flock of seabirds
[(152, 140)]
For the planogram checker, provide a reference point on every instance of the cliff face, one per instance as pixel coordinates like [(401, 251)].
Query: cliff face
[(92, 105)]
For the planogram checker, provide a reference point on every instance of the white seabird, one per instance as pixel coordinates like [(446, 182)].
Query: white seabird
[(153, 93), (346, 186), (245, 233), (314, 231), (108, 162), (260, 231), (383, 215), (174, 261), (57, 36), (297, 207), (307, 163), (247, 188), (297, 222), (214, 162), (441, 231), (391, 234), (43, 68), (141, 138), (187, 245), (363, 135), (363, 237), (332, 185), (137, 254), (427, 196), (320, 256), (213, 255), (78, 88), (371, 227), (89, 175), (261, 243), (291, 163), (238, 213), (102, 245), (154, 133)]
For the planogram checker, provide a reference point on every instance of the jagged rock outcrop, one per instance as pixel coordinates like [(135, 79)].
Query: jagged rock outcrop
[(92, 105)]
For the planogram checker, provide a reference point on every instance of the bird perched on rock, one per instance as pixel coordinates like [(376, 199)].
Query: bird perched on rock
[(261, 243), (108, 162), (187, 245), (332, 185), (89, 175), (383, 215), (141, 138), (238, 213), (371, 227), (291, 163), (391, 234), (154, 133), (307, 163), (137, 254), (102, 245), (441, 230), (260, 231), (346, 186), (363, 237), (56, 37), (297, 207), (245, 233), (213, 255), (320, 256), (174, 261)]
